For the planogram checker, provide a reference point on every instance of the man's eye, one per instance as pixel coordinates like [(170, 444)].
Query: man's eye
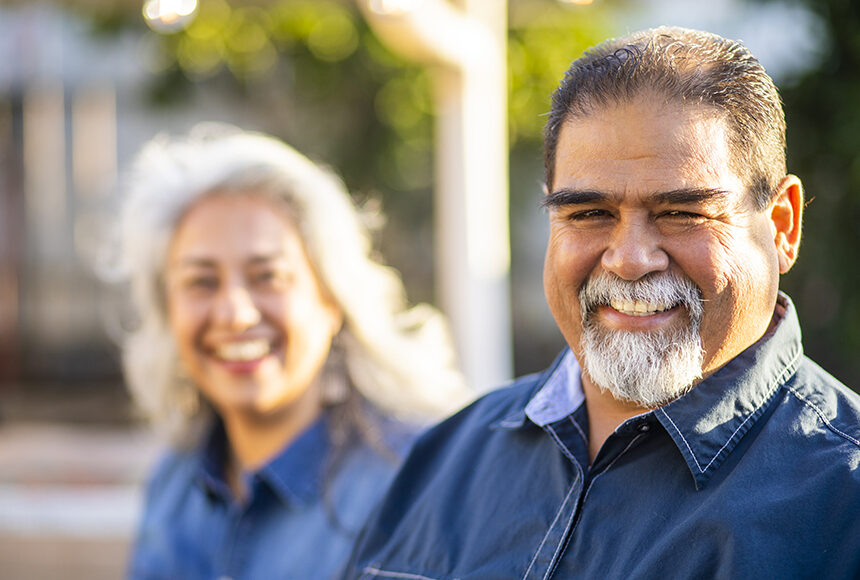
[(588, 214), (680, 214)]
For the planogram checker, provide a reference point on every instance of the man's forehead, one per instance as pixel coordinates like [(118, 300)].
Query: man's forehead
[(650, 116), (645, 146)]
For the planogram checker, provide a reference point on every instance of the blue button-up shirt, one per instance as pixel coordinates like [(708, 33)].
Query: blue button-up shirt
[(298, 521), (755, 473)]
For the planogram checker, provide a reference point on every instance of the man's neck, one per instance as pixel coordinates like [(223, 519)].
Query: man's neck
[(605, 414)]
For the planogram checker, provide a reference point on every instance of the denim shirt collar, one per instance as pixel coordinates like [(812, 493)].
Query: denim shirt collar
[(560, 395), (706, 423), (295, 475)]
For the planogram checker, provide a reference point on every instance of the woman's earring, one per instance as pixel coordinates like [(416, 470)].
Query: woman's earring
[(186, 394), (334, 385)]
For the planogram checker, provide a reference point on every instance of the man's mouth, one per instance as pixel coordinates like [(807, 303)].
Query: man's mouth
[(243, 350), (639, 307)]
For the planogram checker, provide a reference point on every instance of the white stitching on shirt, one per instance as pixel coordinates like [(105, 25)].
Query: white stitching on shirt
[(558, 548), (551, 526), (563, 545), (821, 416), (726, 444), (564, 448), (788, 370), (681, 435), (578, 428), (378, 572), (617, 457), (564, 540)]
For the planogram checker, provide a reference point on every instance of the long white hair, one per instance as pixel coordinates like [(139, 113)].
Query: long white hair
[(400, 359)]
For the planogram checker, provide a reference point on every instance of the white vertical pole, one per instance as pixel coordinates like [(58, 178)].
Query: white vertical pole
[(472, 241), (47, 310), (467, 44)]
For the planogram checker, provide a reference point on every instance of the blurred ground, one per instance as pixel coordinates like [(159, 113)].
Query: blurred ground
[(72, 466)]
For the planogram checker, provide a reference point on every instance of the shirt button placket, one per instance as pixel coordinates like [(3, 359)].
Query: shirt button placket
[(234, 548)]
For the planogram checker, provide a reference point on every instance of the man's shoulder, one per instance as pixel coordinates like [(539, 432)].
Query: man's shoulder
[(446, 490), (474, 433), (502, 407), (826, 401)]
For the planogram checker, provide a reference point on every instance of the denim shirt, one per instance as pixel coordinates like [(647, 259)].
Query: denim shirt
[(755, 473), (292, 525)]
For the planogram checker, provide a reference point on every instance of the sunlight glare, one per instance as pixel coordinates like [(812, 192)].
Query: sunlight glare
[(169, 15), (394, 7)]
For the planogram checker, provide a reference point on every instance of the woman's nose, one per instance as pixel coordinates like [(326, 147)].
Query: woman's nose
[(235, 308), (635, 250)]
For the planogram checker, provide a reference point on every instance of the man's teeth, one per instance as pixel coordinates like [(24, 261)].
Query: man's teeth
[(243, 351), (638, 307)]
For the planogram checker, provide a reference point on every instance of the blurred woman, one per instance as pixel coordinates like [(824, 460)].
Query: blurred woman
[(277, 354)]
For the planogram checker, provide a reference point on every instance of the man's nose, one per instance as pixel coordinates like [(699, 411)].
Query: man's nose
[(235, 308), (635, 250)]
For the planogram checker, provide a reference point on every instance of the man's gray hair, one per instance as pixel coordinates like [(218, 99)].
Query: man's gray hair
[(690, 68), (398, 358)]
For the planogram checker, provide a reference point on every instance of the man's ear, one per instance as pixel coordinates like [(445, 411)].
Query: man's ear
[(786, 216)]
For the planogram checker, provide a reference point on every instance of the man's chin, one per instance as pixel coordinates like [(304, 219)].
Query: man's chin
[(656, 399), (646, 370)]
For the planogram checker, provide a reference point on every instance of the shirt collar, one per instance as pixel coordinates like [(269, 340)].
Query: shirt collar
[(560, 395), (295, 475), (708, 422)]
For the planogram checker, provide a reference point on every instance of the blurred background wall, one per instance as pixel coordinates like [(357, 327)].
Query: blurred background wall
[(83, 83)]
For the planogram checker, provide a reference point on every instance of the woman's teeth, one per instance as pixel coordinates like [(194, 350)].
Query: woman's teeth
[(638, 307), (245, 350)]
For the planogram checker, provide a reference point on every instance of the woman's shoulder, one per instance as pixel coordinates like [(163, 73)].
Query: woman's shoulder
[(175, 463), (171, 477), (367, 464)]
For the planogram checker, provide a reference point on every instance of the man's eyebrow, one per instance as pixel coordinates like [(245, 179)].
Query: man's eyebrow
[(683, 196), (691, 195), (567, 196)]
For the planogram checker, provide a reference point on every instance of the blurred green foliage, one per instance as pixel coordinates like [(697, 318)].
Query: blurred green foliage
[(323, 82), (823, 116), (321, 79), (321, 40), (334, 91)]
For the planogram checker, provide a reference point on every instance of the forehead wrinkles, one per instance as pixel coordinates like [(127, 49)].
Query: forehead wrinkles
[(646, 141)]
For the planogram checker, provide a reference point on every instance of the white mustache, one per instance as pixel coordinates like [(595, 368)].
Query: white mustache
[(665, 289)]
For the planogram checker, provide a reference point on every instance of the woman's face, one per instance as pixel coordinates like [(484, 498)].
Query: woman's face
[(252, 323)]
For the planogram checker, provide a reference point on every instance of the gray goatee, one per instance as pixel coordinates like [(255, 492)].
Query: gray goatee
[(647, 368)]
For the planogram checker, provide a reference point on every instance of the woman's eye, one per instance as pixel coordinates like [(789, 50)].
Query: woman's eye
[(202, 282), (270, 277), (264, 277)]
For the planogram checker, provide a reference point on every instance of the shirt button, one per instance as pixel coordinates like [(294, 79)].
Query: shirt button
[(644, 428)]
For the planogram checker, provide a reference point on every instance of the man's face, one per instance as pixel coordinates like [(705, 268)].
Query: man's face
[(644, 192)]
